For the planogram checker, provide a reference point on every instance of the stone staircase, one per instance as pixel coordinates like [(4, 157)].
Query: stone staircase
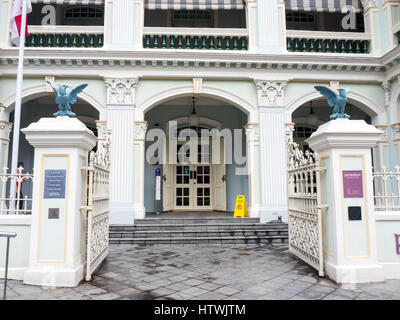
[(198, 231)]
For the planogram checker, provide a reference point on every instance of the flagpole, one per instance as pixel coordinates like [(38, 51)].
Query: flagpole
[(17, 111)]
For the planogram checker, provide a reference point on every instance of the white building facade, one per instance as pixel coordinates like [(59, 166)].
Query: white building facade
[(244, 67)]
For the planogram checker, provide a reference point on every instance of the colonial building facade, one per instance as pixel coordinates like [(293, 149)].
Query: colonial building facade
[(246, 66)]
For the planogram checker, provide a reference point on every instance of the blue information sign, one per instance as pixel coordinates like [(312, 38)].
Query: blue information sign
[(54, 184)]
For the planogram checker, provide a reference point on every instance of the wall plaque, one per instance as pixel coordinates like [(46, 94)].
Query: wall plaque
[(54, 184), (54, 213), (353, 184)]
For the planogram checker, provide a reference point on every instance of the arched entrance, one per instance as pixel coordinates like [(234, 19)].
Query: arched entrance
[(199, 183), (34, 107)]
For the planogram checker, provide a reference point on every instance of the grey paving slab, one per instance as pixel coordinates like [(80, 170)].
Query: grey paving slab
[(206, 271)]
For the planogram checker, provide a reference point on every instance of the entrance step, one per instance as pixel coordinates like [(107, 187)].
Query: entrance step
[(192, 231)]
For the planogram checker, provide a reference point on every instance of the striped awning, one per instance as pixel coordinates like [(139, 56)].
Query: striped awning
[(70, 2), (322, 5), (195, 4)]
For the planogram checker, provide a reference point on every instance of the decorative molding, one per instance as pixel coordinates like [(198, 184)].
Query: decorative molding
[(197, 86), (140, 130), (5, 129), (270, 93), (102, 131), (121, 91)]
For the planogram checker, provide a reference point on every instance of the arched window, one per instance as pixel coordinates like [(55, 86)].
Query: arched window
[(303, 132)]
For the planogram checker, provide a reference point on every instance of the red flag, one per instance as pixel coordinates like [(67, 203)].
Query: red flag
[(16, 17)]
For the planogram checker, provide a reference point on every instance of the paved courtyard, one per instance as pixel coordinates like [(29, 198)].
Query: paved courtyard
[(216, 272)]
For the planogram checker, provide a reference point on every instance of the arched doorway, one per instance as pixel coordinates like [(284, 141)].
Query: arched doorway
[(309, 116), (199, 185), (32, 110)]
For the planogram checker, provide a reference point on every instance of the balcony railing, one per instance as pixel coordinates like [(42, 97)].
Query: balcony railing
[(328, 42), (65, 36), (201, 38)]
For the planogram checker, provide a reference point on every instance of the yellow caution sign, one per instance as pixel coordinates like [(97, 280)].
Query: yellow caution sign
[(240, 207)]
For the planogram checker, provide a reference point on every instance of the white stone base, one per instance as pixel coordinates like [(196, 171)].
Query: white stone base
[(13, 273), (268, 214), (254, 212), (121, 215), (52, 277), (139, 212), (391, 270), (354, 274)]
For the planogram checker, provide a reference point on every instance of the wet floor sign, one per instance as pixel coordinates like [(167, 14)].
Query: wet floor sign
[(240, 207)]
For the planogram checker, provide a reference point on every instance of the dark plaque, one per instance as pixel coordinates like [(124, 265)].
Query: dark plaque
[(54, 184), (354, 213), (54, 213)]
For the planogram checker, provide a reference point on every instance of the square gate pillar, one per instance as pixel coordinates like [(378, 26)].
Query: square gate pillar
[(273, 168), (348, 225), (58, 232)]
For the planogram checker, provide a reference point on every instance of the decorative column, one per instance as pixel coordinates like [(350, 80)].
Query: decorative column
[(120, 117), (349, 232), (269, 27), (5, 129), (123, 25), (381, 154), (253, 166), (392, 17), (371, 22), (5, 10), (58, 235), (389, 130), (139, 152), (274, 199), (251, 23)]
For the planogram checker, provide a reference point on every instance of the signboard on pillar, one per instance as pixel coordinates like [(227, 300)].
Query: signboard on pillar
[(53, 207), (354, 206)]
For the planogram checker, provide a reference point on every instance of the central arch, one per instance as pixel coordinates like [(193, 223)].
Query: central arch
[(228, 100), (209, 91)]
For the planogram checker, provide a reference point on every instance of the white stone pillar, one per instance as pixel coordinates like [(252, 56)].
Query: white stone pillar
[(120, 120), (371, 22), (123, 25), (253, 166), (350, 249), (274, 199), (269, 27), (139, 158), (58, 233)]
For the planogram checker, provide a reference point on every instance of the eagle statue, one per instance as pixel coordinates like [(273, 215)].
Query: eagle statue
[(336, 101), (65, 98)]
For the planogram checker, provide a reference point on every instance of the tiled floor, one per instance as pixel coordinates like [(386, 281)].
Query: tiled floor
[(215, 272)]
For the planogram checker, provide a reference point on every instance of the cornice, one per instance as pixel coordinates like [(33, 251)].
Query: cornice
[(77, 57)]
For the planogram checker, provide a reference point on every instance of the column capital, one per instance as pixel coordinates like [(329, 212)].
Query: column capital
[(387, 86), (369, 4), (270, 93), (252, 131), (5, 129), (121, 91), (140, 130)]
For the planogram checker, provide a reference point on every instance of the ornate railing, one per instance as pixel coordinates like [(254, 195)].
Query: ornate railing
[(17, 203), (65, 36), (328, 42), (187, 38), (97, 209), (387, 189), (305, 207)]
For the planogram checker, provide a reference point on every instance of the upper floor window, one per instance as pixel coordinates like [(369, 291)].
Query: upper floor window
[(83, 15), (300, 17), (192, 18)]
